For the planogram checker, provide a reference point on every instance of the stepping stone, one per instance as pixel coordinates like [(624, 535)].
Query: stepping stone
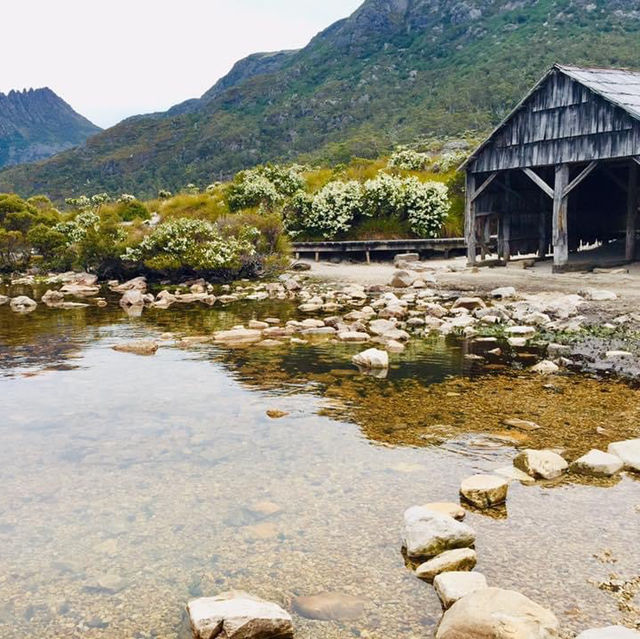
[(461, 559), (447, 508), (541, 464), (452, 586), (597, 464), (629, 452), (485, 491)]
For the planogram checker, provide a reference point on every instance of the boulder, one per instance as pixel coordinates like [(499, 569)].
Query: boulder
[(503, 292), (393, 346), (403, 279), (52, 298), (540, 464), (22, 304), (611, 632), (4, 299), (597, 295), (597, 464), (545, 367), (353, 336), (80, 290), (381, 326), (629, 452), (427, 533), (330, 606), (406, 257), (493, 613), (372, 358), (484, 491), (460, 559), (447, 508), (137, 283), (453, 586), (139, 347), (238, 615), (132, 297)]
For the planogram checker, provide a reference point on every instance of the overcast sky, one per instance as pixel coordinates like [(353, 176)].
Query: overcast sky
[(113, 59)]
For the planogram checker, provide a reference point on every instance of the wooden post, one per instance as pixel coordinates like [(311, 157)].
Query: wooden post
[(470, 218), (368, 255), (632, 211), (317, 256), (560, 221), (506, 219)]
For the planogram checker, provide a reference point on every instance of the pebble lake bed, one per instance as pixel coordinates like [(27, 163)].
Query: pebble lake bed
[(265, 461)]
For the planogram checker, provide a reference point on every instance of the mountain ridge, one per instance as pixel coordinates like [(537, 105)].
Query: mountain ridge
[(395, 71), (36, 124)]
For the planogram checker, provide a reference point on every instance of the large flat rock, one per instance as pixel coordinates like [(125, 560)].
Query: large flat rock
[(238, 615), (493, 613), (629, 452), (611, 632), (427, 533)]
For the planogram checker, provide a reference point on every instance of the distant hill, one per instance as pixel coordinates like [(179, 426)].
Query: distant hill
[(37, 124), (393, 72)]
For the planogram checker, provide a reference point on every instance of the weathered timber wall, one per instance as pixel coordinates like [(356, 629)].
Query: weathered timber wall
[(562, 122)]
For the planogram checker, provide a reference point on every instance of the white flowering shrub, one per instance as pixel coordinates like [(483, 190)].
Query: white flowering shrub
[(335, 209), (192, 244), (212, 188), (426, 206), (80, 203), (408, 160), (77, 229), (451, 160), (191, 189), (383, 195), (265, 187), (126, 198), (340, 206), (163, 194)]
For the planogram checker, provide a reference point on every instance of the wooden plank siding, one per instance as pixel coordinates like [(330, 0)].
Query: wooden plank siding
[(562, 122)]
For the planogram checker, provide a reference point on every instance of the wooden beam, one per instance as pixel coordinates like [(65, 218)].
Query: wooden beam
[(532, 175), (637, 160), (632, 212), (470, 219), (560, 221), (581, 177), (480, 190)]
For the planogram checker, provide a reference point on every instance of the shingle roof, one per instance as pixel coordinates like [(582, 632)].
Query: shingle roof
[(619, 86)]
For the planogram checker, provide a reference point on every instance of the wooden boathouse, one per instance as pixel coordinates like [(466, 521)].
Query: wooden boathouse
[(561, 171)]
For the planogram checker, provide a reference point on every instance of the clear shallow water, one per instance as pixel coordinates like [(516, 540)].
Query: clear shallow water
[(131, 484)]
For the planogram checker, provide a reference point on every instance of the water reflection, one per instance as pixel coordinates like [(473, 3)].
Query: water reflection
[(131, 484)]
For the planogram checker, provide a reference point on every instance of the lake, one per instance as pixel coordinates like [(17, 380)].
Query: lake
[(133, 484)]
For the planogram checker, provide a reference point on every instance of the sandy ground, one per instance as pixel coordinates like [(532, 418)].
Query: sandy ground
[(532, 280)]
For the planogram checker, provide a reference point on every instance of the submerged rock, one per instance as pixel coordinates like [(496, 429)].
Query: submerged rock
[(485, 491), (330, 606), (140, 347), (4, 299), (540, 464), (137, 283), (238, 336), (238, 615), (427, 533), (460, 559), (597, 464), (132, 297), (629, 452), (52, 298), (453, 586), (493, 613), (372, 358)]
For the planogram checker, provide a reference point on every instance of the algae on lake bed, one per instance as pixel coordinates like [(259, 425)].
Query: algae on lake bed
[(575, 413)]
